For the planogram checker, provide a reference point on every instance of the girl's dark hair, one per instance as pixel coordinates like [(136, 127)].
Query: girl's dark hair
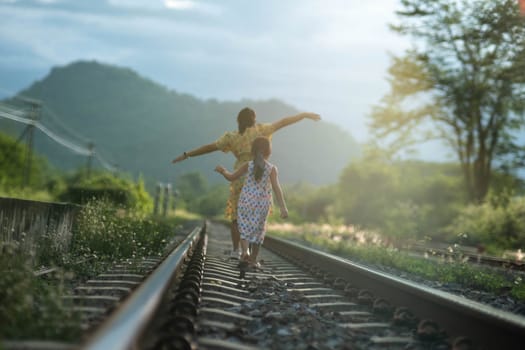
[(245, 119), (261, 149)]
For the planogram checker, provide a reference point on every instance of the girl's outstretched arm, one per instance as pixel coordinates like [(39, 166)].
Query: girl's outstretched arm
[(232, 176), (278, 193), (212, 147), (294, 119)]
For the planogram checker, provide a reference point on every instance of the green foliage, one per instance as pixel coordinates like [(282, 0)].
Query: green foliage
[(213, 203), (480, 278), (402, 220), (103, 230), (13, 167), (365, 191), (462, 82), (199, 197), (499, 227), (27, 193), (32, 308), (105, 186), (404, 199), (308, 203), (191, 186)]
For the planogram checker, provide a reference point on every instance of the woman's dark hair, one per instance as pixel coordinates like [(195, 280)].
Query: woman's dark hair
[(245, 119), (261, 149)]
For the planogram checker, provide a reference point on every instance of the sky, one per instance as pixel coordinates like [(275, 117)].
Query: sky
[(324, 56)]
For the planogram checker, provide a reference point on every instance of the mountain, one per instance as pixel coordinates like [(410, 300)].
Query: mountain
[(141, 126)]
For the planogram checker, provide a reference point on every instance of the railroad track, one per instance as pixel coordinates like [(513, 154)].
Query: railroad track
[(93, 300), (305, 299), (197, 298), (470, 256)]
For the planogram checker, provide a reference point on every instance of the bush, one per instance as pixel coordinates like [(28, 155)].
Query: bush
[(402, 221), (307, 203), (213, 203), (490, 225), (107, 187), (109, 232), (402, 199), (32, 307)]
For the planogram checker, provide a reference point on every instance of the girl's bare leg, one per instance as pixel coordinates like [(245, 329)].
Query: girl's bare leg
[(254, 252), (244, 247), (236, 237)]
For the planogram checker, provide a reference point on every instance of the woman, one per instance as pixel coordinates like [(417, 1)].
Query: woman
[(239, 143)]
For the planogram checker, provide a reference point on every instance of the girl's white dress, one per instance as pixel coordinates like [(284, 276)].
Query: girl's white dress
[(254, 204)]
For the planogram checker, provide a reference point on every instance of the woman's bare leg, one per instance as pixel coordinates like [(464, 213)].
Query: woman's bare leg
[(236, 236)]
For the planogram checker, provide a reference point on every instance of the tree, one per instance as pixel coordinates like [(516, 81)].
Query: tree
[(13, 164), (401, 199), (192, 185), (462, 82)]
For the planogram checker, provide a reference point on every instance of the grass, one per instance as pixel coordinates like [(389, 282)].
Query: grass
[(27, 193), (368, 247), (33, 308)]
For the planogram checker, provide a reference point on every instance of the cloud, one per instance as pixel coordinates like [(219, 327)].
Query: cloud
[(42, 2), (157, 6), (136, 4), (326, 56), (56, 37), (342, 25)]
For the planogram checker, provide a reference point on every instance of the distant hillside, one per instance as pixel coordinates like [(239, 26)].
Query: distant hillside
[(141, 126)]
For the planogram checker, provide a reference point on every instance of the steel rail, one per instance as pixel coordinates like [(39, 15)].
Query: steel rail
[(492, 328), (481, 259), (123, 329)]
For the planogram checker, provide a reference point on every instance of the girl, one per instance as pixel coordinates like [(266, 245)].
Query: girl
[(256, 197), (239, 144)]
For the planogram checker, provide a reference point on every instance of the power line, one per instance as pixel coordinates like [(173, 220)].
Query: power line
[(21, 116), (104, 163), (57, 120), (77, 149), (52, 135), (17, 112), (16, 118)]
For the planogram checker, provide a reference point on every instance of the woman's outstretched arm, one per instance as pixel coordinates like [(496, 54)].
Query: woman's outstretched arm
[(294, 119), (232, 176), (212, 147)]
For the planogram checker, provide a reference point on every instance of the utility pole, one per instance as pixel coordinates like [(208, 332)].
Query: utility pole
[(158, 192), (91, 147), (166, 199), (34, 115)]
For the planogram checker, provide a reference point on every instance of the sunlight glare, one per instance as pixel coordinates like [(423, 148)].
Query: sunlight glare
[(179, 4)]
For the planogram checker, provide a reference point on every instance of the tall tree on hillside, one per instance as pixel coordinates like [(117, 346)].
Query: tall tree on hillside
[(463, 81)]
